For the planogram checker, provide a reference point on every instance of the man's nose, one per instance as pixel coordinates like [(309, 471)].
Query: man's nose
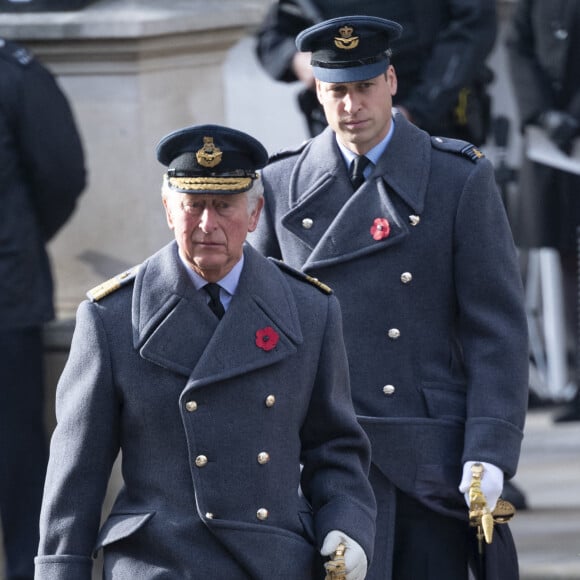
[(351, 103), (207, 220)]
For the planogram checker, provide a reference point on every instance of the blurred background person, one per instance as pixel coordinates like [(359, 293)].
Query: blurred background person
[(543, 48), (440, 58), (42, 173)]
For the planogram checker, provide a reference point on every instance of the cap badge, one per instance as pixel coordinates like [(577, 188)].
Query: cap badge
[(209, 155), (346, 41)]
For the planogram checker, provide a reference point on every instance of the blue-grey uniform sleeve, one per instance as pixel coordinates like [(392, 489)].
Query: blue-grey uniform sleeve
[(492, 324), (336, 451), (83, 449)]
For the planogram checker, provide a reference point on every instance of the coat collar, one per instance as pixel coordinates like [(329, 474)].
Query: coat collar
[(174, 328), (320, 191)]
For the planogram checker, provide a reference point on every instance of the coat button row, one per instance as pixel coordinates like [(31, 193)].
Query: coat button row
[(394, 333), (191, 406), (406, 277), (261, 514), (263, 458)]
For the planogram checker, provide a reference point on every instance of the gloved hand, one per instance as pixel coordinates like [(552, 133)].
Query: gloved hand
[(355, 558), (491, 482), (561, 128)]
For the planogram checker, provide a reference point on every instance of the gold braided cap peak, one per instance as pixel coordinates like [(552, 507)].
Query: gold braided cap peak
[(218, 184)]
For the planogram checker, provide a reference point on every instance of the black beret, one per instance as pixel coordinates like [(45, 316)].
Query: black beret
[(211, 159), (349, 48)]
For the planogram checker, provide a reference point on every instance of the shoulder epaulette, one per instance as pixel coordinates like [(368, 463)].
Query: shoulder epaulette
[(302, 276), (109, 286), (15, 53), (283, 153), (463, 148)]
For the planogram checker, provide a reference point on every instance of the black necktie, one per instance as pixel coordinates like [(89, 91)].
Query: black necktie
[(356, 170), (215, 303)]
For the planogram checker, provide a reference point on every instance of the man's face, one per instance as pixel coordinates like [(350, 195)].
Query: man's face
[(359, 112), (210, 230)]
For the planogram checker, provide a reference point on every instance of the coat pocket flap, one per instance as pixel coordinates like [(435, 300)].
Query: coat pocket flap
[(119, 526)]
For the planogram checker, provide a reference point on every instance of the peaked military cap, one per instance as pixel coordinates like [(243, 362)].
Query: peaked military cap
[(349, 48), (211, 159)]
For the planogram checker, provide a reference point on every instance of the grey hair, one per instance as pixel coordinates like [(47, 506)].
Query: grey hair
[(254, 193)]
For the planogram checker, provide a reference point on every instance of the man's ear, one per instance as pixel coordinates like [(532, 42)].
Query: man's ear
[(318, 90), (392, 79), (255, 215), (168, 215)]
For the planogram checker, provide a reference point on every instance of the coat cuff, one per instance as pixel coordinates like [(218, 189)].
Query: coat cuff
[(494, 441), (62, 567), (354, 520)]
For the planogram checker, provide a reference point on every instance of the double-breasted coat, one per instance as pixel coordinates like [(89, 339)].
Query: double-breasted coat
[(433, 313), (213, 429)]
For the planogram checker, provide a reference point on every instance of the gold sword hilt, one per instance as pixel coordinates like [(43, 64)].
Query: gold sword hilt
[(336, 567), (480, 515)]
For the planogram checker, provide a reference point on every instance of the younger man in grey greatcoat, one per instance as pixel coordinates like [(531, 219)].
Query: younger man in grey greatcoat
[(241, 454), (422, 260)]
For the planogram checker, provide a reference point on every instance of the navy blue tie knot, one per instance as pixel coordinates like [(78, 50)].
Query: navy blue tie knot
[(356, 170), (215, 303)]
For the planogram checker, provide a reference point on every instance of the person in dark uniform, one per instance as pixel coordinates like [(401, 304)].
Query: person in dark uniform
[(543, 46), (440, 58), (222, 378), (417, 247), (42, 173)]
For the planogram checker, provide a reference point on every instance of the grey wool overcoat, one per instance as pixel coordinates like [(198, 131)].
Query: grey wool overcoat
[(432, 305), (237, 458)]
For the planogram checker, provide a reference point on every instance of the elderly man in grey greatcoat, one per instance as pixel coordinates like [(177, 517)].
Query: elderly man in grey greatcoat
[(417, 247), (222, 378)]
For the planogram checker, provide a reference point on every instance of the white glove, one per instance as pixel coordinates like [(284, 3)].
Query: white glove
[(491, 482), (355, 558)]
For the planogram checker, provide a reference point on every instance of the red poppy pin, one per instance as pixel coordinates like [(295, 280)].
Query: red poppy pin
[(266, 338), (380, 229)]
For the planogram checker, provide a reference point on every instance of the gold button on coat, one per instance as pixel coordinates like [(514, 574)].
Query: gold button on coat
[(270, 400), (388, 389), (307, 223), (201, 461), (263, 458), (406, 277), (191, 406), (394, 333), (262, 514)]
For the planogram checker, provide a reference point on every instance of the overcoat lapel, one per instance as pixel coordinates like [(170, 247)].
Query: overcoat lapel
[(320, 191), (174, 328)]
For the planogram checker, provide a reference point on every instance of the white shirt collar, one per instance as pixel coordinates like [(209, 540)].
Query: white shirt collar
[(229, 282)]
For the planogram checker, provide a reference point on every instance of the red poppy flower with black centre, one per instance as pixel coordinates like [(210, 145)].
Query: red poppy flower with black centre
[(380, 229), (267, 338)]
